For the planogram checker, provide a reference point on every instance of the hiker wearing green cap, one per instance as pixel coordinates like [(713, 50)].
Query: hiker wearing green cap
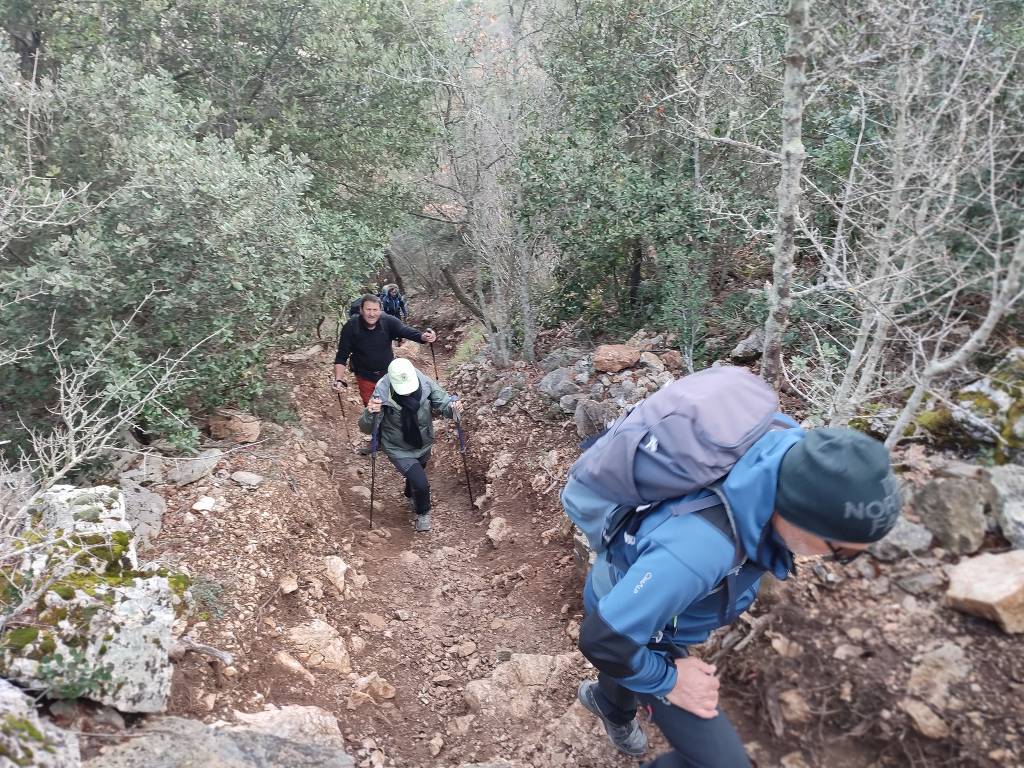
[(687, 501), (403, 407)]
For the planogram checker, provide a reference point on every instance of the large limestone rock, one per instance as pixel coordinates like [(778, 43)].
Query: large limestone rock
[(27, 739), (321, 645), (906, 537), (186, 471), (558, 383), (560, 358), (87, 513), (519, 688), (110, 646), (612, 358), (103, 627), (302, 355), (144, 511), (150, 470), (174, 742), (749, 349), (994, 405), (592, 417), (954, 510), (990, 586), (296, 723), (1008, 501)]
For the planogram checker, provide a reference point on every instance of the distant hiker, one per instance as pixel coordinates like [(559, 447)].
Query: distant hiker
[(366, 338), (405, 401), (688, 500), (393, 302)]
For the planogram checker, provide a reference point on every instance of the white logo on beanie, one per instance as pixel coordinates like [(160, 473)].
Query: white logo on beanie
[(879, 512)]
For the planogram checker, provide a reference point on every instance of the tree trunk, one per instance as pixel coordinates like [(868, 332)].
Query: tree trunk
[(467, 302), (792, 160), (394, 271), (635, 273)]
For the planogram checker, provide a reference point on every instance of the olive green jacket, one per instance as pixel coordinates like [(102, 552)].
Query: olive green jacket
[(436, 402)]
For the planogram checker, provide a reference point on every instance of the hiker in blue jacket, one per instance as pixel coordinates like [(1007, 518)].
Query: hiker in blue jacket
[(687, 566), (393, 302)]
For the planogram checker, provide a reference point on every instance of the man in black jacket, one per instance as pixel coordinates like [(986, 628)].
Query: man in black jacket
[(367, 339)]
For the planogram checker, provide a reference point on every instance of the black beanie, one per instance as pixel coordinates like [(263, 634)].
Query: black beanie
[(838, 484)]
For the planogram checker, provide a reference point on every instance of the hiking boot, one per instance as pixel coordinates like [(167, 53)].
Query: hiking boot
[(363, 450), (628, 738), (423, 522)]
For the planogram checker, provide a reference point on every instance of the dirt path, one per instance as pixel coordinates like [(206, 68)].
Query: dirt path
[(431, 613), (436, 611)]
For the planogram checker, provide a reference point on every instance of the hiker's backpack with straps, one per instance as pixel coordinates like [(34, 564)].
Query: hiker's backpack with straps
[(684, 438)]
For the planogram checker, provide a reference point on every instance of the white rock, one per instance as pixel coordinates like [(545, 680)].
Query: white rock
[(302, 355), (205, 504), (498, 531), (294, 722), (990, 586), (144, 511), (926, 722), (288, 583), (409, 559), (514, 687), (289, 663), (1008, 501), (935, 671), (55, 748), (127, 638), (794, 707), (335, 568), (186, 471), (435, 745), (248, 479), (322, 645)]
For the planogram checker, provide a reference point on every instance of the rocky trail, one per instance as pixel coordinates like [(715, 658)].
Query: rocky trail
[(457, 647), (399, 641)]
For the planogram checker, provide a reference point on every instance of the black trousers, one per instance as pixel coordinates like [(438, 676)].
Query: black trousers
[(417, 487), (696, 742)]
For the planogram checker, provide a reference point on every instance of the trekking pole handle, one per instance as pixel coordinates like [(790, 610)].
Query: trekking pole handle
[(375, 434)]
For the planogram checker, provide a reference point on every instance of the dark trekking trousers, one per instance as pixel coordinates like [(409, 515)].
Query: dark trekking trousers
[(696, 742), (417, 487)]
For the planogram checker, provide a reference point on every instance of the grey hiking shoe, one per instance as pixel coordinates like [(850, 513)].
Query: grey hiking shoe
[(363, 450), (629, 738), (423, 522)]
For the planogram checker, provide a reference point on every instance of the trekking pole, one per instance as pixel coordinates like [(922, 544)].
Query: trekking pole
[(462, 450), (341, 403), (373, 464), (433, 356)]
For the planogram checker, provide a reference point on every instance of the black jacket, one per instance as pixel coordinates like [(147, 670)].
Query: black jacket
[(371, 349)]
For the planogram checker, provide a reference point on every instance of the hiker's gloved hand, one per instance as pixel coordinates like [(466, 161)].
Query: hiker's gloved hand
[(429, 336), (696, 688), (339, 384), (457, 407), (374, 405)]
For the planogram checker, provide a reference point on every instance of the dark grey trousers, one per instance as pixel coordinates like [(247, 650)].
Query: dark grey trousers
[(696, 742), (417, 487)]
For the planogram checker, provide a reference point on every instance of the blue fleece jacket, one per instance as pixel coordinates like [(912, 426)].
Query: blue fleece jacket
[(656, 589)]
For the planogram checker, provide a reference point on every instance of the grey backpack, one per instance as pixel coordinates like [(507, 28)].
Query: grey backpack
[(681, 439)]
